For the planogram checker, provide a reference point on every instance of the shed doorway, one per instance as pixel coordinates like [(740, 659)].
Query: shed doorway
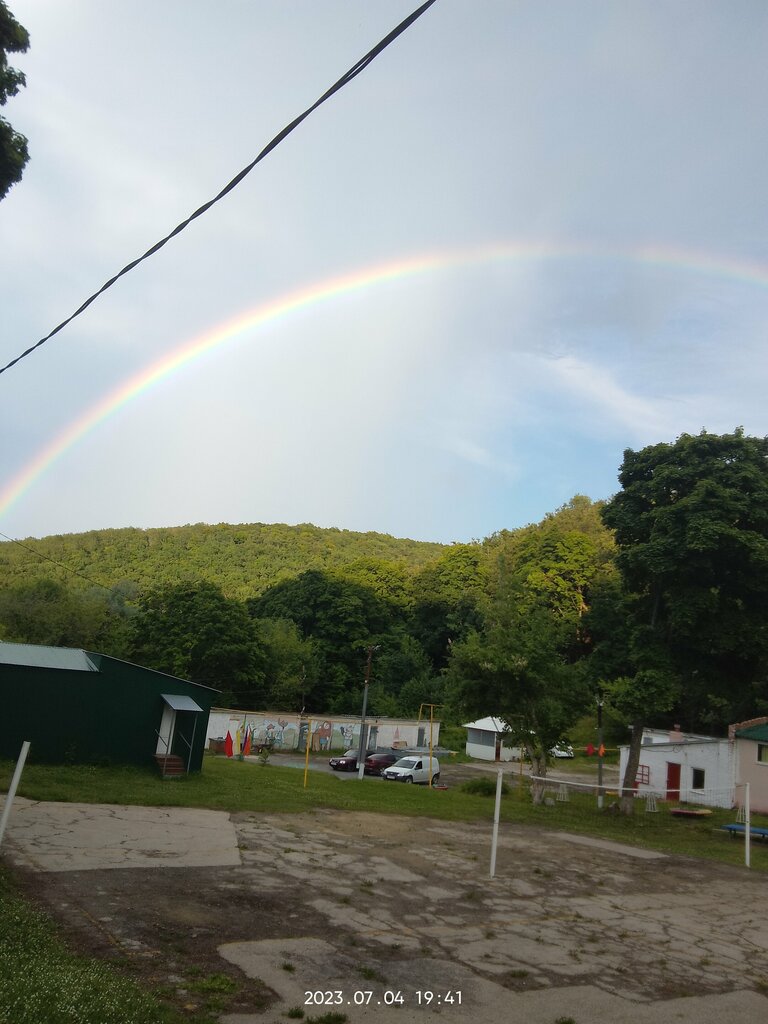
[(176, 735)]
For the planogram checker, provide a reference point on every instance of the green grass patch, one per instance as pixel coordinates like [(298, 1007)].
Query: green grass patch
[(483, 787), (40, 980), (229, 785)]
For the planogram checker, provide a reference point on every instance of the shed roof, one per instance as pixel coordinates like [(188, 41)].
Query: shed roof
[(754, 732), (489, 724), (180, 702), (37, 656)]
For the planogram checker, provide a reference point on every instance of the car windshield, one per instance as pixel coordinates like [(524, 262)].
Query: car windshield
[(350, 753), (406, 762)]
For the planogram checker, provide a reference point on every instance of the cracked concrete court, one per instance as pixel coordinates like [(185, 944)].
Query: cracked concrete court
[(570, 928)]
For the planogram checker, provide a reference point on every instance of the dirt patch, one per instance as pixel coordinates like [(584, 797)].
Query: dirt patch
[(350, 904)]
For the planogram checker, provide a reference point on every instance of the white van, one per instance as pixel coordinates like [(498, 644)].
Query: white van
[(413, 768)]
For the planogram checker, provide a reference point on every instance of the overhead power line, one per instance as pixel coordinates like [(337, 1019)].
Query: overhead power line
[(47, 558), (345, 79)]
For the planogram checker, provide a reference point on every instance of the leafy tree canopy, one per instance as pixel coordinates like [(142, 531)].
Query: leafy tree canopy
[(196, 633), (515, 669), (691, 524), (14, 153), (47, 612)]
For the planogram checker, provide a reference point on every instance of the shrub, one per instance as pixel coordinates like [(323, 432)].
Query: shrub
[(483, 787)]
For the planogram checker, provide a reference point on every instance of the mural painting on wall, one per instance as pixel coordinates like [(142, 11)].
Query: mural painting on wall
[(277, 732), (321, 736)]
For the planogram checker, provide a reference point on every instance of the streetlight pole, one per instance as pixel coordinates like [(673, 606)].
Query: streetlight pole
[(361, 749)]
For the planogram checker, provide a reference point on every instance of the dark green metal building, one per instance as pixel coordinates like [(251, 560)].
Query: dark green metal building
[(79, 707)]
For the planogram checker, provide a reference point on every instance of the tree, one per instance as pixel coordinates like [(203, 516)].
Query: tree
[(47, 612), (13, 146), (290, 665), (446, 596), (193, 631), (515, 669), (691, 524), (342, 617)]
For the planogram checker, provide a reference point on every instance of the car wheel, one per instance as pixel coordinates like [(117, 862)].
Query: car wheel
[(435, 779), (408, 778)]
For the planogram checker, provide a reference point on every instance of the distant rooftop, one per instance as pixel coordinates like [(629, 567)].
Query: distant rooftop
[(489, 724), (37, 656), (754, 732)]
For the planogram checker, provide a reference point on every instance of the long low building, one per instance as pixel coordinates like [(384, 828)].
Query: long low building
[(288, 731), (705, 770)]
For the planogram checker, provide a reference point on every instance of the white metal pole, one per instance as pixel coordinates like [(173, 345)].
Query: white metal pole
[(747, 826), (496, 815), (12, 789)]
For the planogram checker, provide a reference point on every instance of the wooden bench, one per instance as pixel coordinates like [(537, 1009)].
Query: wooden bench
[(739, 830)]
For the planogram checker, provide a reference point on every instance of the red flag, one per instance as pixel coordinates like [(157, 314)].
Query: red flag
[(247, 741), (590, 750), (228, 746)]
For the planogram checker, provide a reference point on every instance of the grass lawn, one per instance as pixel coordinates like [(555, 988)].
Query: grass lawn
[(232, 785), (40, 980)]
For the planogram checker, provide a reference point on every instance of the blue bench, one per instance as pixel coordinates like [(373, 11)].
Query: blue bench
[(739, 830)]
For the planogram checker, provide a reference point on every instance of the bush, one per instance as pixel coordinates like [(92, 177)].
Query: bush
[(483, 787)]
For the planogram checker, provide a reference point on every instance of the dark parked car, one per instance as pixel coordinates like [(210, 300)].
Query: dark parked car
[(347, 762), (376, 763)]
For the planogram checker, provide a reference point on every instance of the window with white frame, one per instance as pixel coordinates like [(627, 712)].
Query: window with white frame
[(762, 753), (697, 778)]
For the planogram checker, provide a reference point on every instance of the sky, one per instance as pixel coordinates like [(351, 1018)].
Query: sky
[(527, 237)]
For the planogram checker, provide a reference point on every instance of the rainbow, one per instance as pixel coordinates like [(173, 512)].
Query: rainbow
[(667, 257)]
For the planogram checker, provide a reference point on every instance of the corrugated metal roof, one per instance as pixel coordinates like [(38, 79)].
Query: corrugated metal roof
[(754, 732), (36, 656), (489, 724), (180, 702)]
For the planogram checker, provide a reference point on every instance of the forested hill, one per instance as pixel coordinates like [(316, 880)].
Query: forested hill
[(243, 560)]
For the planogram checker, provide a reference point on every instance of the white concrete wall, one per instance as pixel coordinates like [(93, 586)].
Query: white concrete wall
[(714, 757), (328, 733), (485, 753), (481, 743), (755, 772)]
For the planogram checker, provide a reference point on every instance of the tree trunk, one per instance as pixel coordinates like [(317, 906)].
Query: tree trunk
[(627, 799), (539, 770)]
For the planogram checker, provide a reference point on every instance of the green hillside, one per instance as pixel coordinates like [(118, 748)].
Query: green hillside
[(243, 560)]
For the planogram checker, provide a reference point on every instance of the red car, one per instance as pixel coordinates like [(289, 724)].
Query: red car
[(347, 762), (376, 763)]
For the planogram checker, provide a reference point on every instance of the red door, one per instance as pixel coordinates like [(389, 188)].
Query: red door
[(673, 781)]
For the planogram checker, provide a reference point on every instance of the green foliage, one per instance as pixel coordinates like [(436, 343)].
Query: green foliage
[(446, 596), (243, 560), (196, 633), (515, 669), (691, 523), (13, 146), (47, 612), (290, 664), (483, 787)]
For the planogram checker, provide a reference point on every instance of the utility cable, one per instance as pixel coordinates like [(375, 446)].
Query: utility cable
[(345, 79), (61, 565)]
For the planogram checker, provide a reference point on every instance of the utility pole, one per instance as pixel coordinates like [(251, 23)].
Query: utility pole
[(600, 749), (363, 727), (431, 721)]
